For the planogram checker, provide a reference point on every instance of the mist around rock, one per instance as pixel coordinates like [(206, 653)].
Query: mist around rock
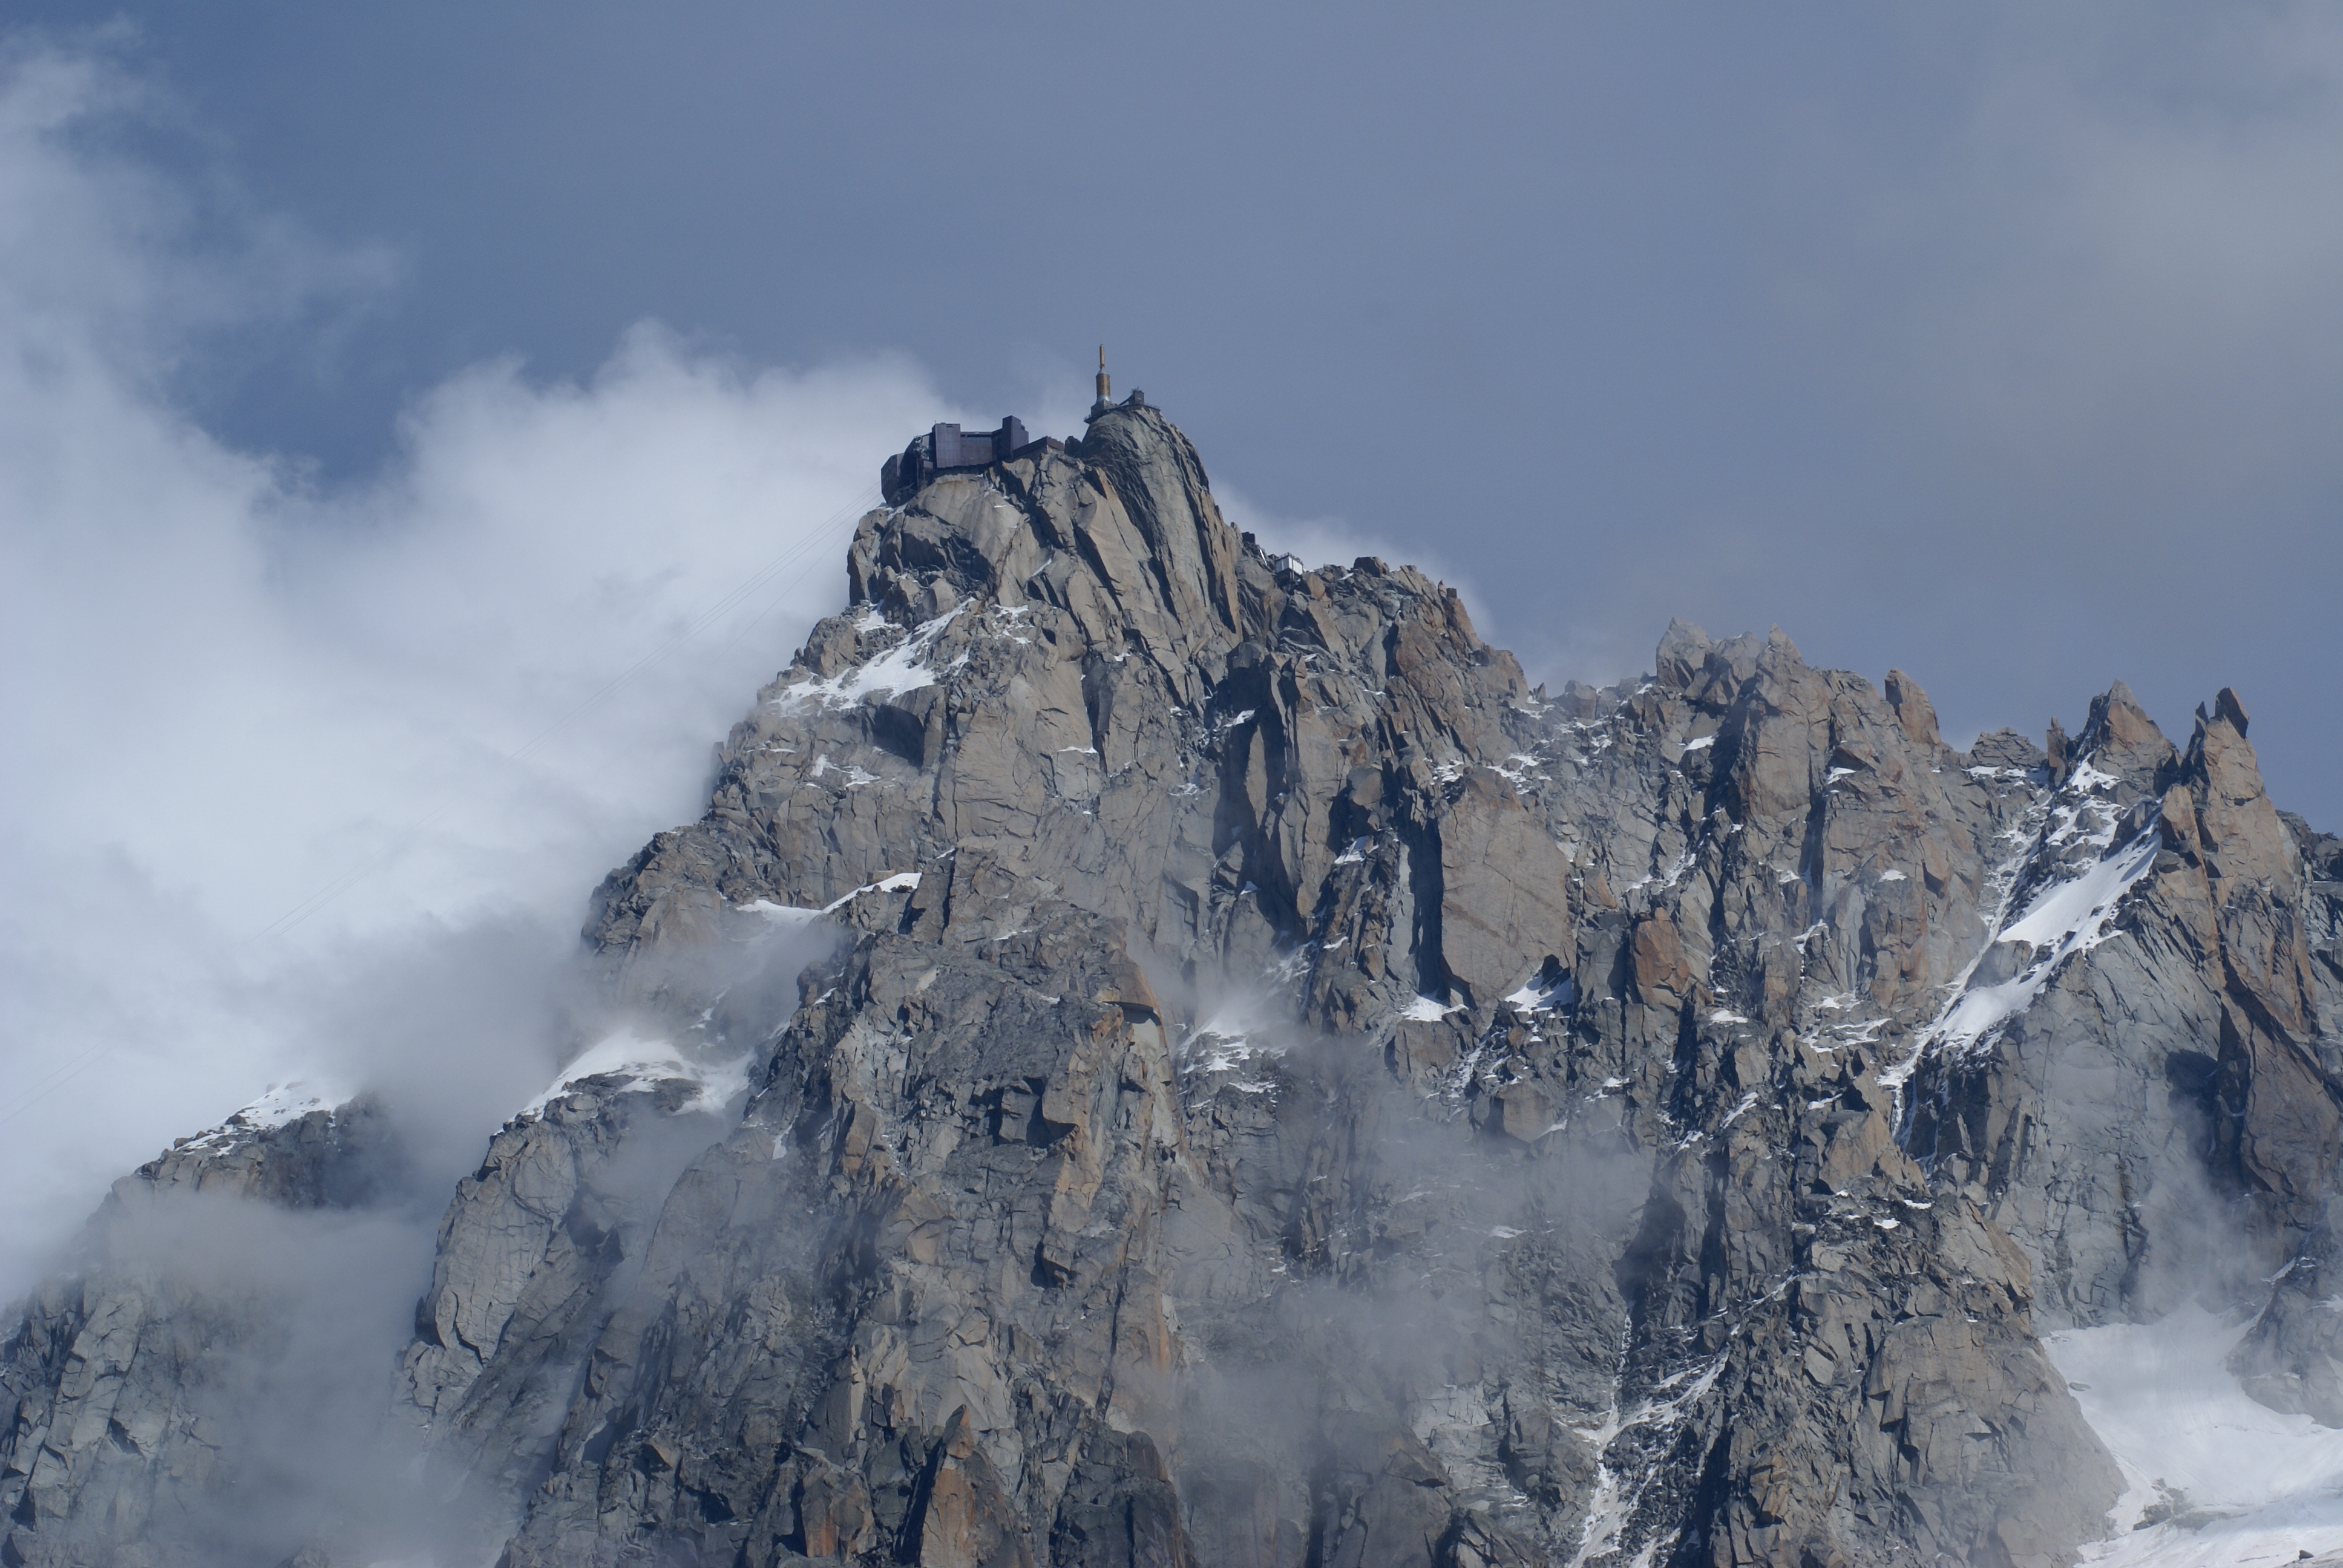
[(272, 738), (1156, 1053), (1142, 1049)]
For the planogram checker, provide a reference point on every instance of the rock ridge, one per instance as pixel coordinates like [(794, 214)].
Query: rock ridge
[(1251, 1079)]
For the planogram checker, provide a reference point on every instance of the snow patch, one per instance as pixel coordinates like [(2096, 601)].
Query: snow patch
[(285, 1103), (2087, 778), (2162, 1400), (2071, 908), (1532, 999), (647, 1063), (278, 1104), (2065, 919), (1426, 1010), (2068, 917), (1223, 1043), (1612, 1505), (795, 915), (902, 669)]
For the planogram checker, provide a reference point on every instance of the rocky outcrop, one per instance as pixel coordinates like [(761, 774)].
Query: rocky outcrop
[(534, 1255), (1097, 684), (1543, 1126), (122, 1429), (1535, 1044), (896, 1306), (1281, 1090), (2291, 1358), (2163, 1106)]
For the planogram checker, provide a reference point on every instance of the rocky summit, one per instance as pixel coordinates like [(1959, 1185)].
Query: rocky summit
[(1155, 1056)]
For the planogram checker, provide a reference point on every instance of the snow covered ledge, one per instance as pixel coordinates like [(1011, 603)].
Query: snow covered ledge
[(2215, 1477)]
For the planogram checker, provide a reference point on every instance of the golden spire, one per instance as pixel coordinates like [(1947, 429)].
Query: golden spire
[(1102, 393)]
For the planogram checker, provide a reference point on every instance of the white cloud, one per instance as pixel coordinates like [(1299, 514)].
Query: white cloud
[(268, 745)]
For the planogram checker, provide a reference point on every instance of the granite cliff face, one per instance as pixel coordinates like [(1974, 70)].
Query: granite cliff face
[(1272, 1087), (126, 1386)]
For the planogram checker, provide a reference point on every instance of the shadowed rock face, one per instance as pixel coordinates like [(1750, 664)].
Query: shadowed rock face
[(1286, 1092)]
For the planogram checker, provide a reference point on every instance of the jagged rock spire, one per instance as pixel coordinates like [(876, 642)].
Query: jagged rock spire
[(1230, 1073)]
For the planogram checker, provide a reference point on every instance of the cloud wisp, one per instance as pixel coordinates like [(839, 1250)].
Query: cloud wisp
[(283, 756)]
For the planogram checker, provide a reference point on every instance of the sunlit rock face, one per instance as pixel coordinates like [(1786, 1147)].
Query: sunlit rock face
[(1273, 1088)]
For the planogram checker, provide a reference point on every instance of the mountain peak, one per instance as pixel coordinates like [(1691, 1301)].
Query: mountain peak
[(1232, 1074)]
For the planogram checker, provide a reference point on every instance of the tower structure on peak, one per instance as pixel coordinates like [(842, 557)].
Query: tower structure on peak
[(1105, 399), (947, 448)]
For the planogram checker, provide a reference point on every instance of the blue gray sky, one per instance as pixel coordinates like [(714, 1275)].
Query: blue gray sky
[(421, 427), (1996, 343)]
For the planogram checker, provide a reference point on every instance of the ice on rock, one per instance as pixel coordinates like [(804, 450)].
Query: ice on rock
[(280, 1103), (647, 1062), (285, 1103), (1534, 998), (902, 669), (2063, 919), (797, 915), (2237, 1482)]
